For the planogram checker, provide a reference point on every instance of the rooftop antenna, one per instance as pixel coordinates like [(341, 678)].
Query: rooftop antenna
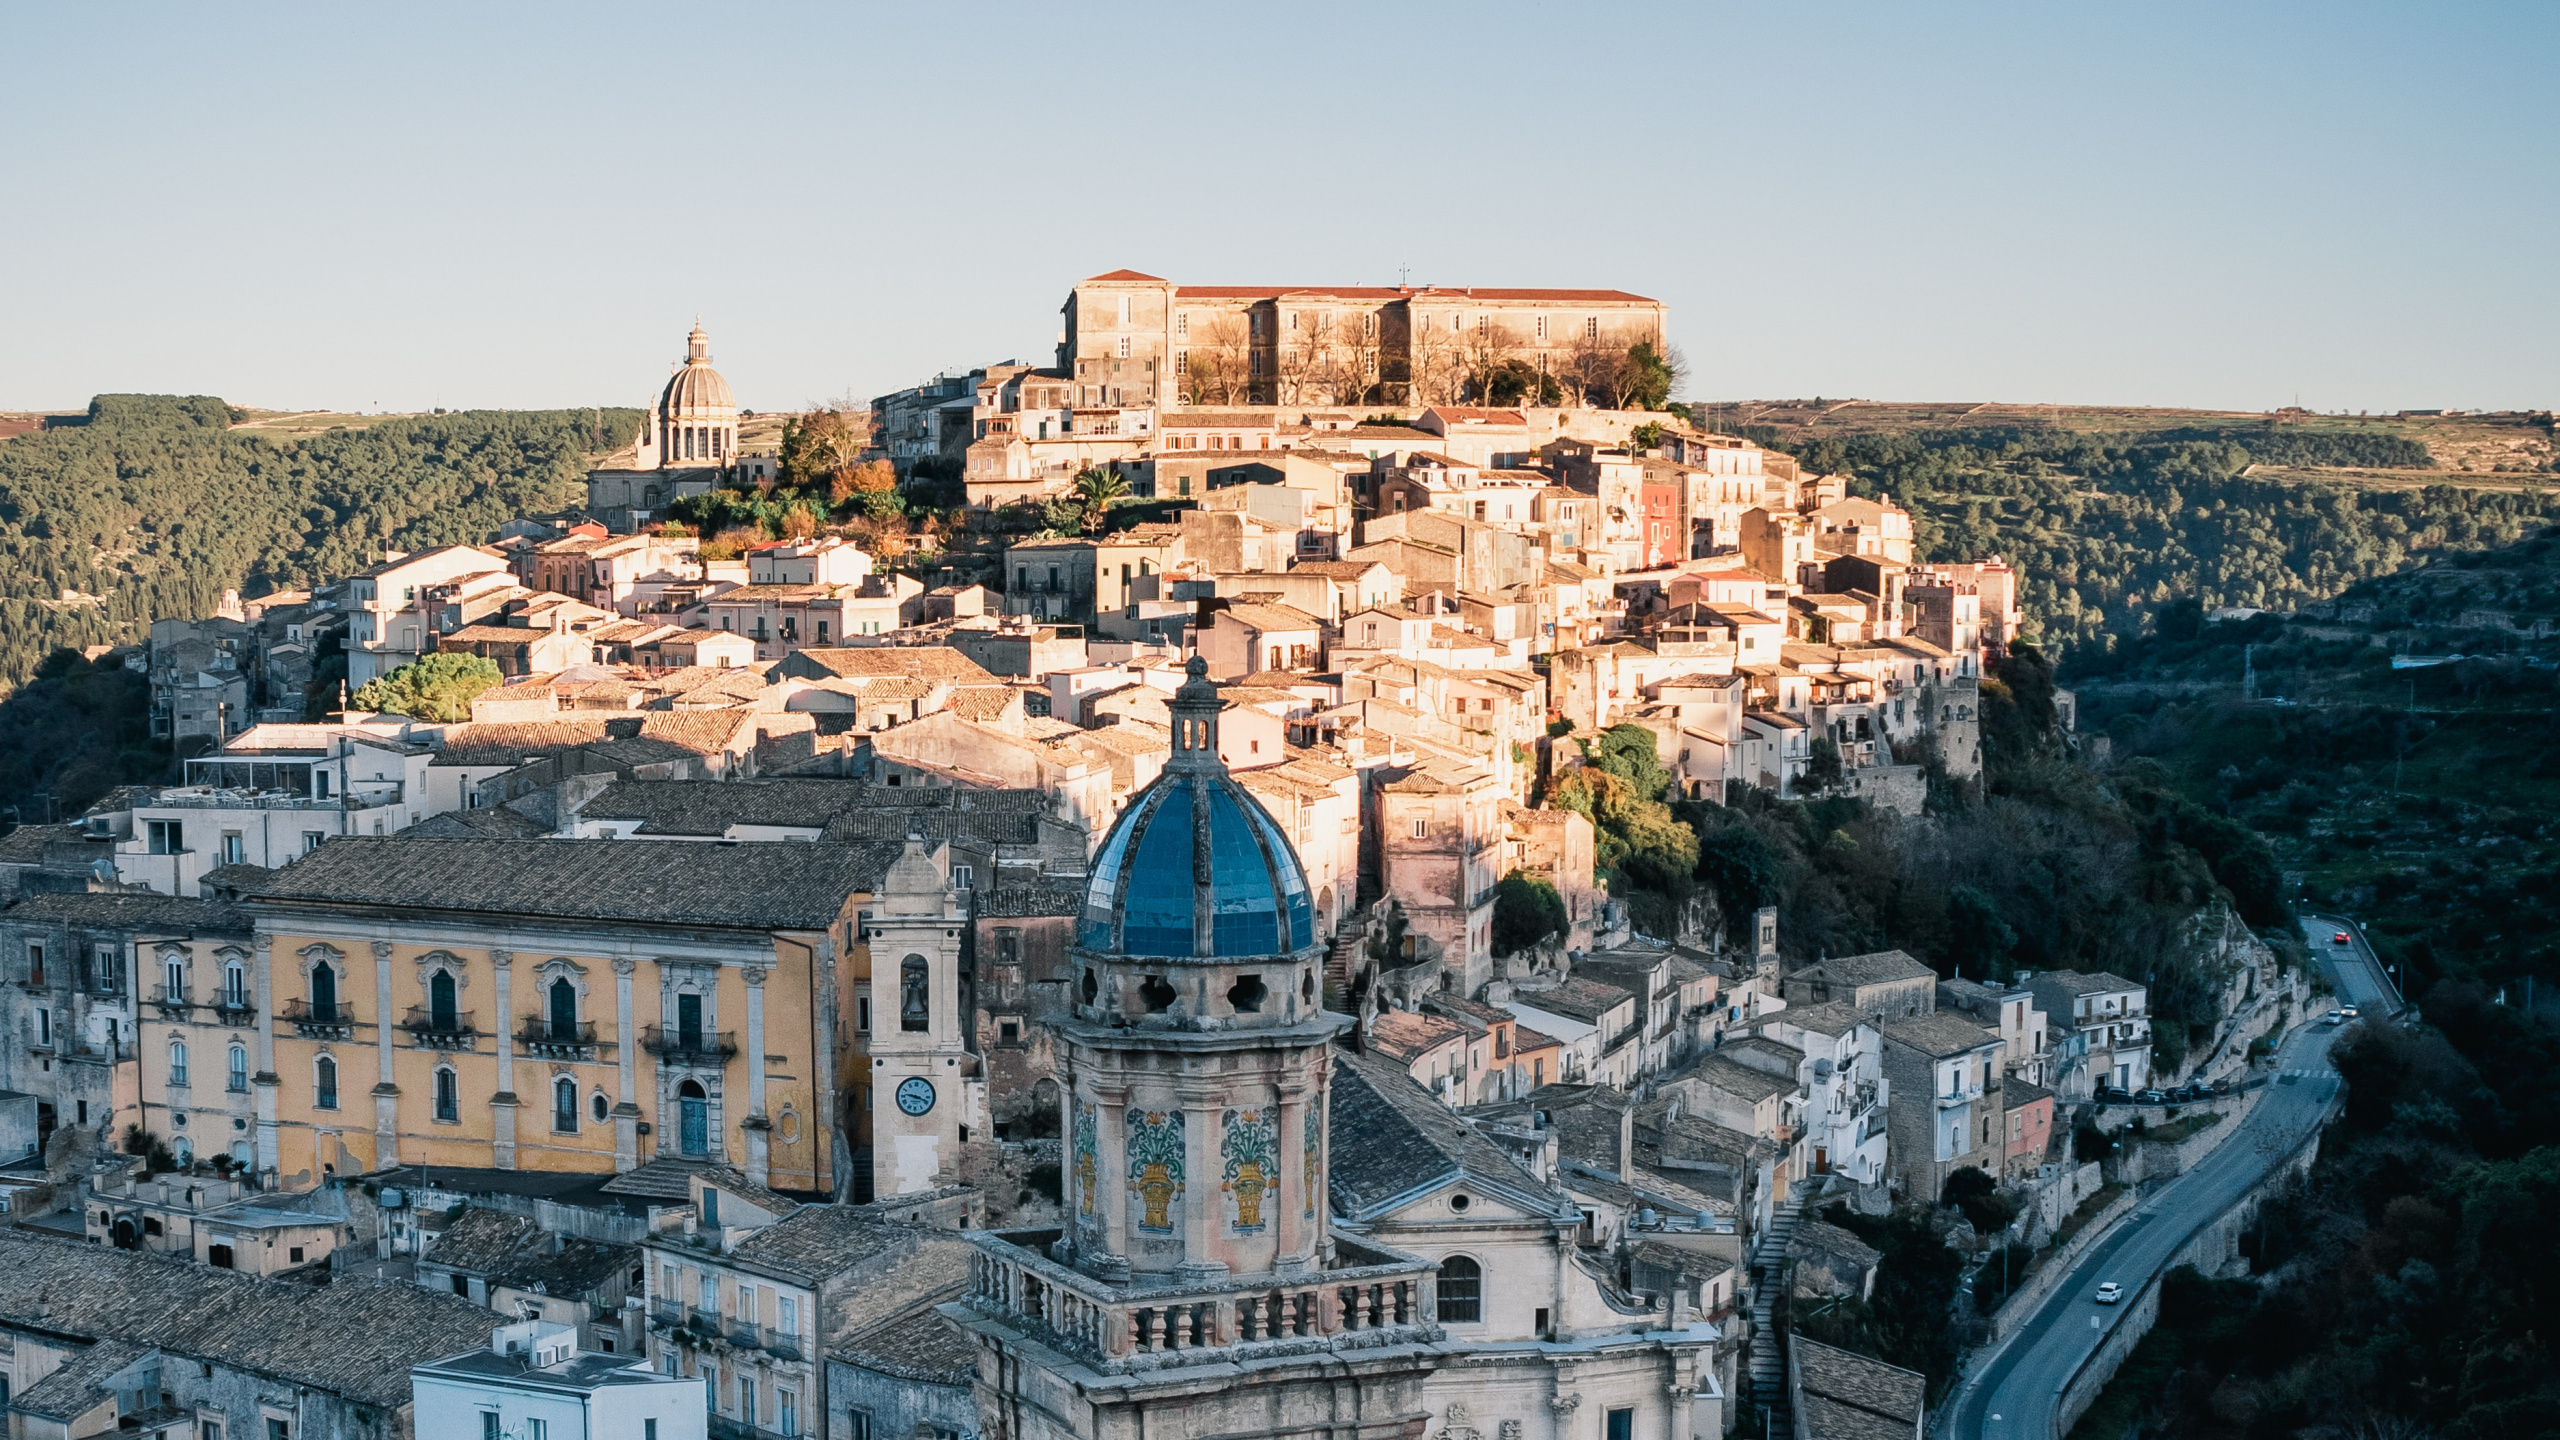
[(1403, 277)]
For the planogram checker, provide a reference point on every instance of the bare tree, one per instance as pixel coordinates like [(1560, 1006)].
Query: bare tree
[(1598, 370), (1213, 368), (1436, 363), (1347, 367), (1297, 354), (1486, 347)]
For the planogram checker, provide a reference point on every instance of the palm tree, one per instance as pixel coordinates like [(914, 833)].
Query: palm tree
[(1097, 488)]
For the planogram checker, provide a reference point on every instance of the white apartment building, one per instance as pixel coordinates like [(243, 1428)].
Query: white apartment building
[(274, 793), (1843, 1095), (534, 1383), (393, 608), (2101, 1031)]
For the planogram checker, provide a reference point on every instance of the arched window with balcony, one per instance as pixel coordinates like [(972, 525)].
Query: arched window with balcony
[(235, 983), (324, 993), (237, 1071), (442, 1012), (177, 1062), (564, 1010), (174, 974)]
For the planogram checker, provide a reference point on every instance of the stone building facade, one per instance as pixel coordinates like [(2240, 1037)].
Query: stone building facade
[(1130, 339)]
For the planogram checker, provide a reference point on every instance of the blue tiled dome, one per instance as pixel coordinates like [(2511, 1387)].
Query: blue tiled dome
[(1195, 867), (1153, 879)]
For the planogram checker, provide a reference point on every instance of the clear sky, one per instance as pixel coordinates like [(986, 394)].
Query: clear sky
[(2230, 205)]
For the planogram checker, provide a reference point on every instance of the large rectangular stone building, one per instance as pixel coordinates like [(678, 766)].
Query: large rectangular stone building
[(1130, 339)]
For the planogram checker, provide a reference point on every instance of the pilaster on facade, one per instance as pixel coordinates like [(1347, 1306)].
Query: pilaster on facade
[(626, 1110)]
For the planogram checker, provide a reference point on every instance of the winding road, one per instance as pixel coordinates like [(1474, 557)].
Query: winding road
[(2011, 1392), (2355, 972)]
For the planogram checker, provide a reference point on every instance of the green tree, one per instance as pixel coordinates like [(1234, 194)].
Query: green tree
[(432, 687), (1823, 772), (1744, 871), (1649, 852), (1526, 910), (1651, 375), (1097, 489)]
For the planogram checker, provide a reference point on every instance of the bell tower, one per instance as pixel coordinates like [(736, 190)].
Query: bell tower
[(1196, 1272), (928, 1088), (1196, 1057)]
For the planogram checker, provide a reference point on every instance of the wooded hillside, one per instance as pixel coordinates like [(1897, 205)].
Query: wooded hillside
[(2107, 528), (155, 506)]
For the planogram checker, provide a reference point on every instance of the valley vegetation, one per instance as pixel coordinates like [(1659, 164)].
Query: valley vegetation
[(156, 505)]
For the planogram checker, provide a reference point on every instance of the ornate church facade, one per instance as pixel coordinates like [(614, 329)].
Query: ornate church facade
[(1231, 1261)]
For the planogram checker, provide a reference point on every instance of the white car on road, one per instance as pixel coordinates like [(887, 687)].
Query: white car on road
[(2110, 1293)]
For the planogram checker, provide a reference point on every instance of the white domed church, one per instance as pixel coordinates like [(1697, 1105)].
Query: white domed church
[(695, 421), (687, 444)]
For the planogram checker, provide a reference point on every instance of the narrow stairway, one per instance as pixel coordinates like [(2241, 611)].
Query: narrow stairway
[(1768, 1360)]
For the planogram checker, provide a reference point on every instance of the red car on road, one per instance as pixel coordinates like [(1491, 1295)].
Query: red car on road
[(2342, 938)]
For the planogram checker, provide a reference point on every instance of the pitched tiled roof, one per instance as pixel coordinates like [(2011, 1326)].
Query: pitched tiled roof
[(803, 886), (916, 1344), (25, 845), (479, 1239), (1038, 899), (702, 807), (1939, 1034), (80, 1385), (2016, 1094), (1853, 1381), (1584, 1000), (815, 1242), (1389, 1138), (924, 662), (129, 910), (1406, 1034), (354, 1338), (495, 822), (1882, 967)]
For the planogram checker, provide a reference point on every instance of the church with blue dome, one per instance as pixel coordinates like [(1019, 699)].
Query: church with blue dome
[(1196, 868), (1196, 1062)]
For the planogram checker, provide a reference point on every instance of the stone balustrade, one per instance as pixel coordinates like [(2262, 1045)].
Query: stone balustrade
[(1379, 1298)]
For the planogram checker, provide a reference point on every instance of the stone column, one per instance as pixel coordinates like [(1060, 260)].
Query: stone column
[(264, 1083), (626, 1113), (386, 1095), (756, 1128), (503, 1104)]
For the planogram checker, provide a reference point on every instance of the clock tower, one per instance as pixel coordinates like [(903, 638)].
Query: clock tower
[(928, 1086)]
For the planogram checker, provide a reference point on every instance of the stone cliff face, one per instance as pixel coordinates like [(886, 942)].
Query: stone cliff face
[(2245, 979)]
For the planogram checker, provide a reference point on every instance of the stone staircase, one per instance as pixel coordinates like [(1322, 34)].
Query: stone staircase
[(1343, 960), (1768, 1360)]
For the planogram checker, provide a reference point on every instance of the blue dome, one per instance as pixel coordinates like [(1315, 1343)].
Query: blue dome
[(1155, 881)]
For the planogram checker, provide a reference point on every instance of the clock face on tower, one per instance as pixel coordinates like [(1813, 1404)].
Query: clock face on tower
[(915, 1095)]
